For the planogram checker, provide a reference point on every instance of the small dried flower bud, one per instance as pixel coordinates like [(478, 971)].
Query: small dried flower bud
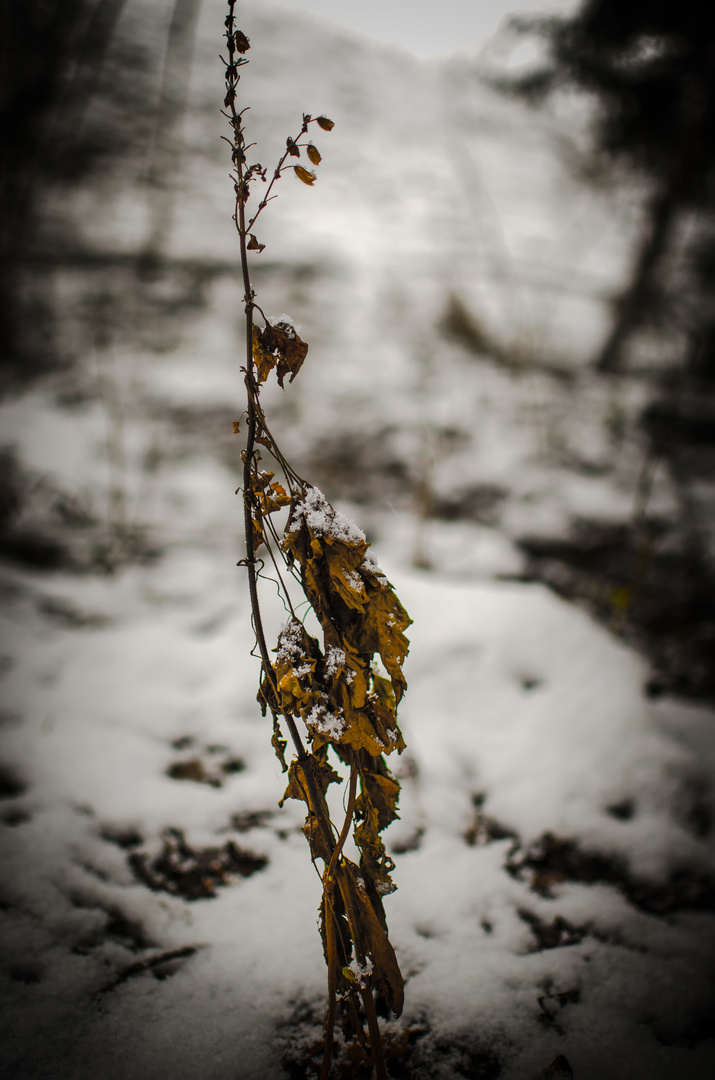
[(314, 154), (325, 124)]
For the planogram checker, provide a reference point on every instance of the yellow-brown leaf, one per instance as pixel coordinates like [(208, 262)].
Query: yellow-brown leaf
[(304, 175), (262, 358), (374, 941)]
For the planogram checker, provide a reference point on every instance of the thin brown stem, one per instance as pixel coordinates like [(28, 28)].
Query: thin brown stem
[(276, 176), (331, 955), (349, 813), (378, 1058)]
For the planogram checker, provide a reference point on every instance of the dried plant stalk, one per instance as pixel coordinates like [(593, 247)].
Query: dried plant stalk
[(336, 699)]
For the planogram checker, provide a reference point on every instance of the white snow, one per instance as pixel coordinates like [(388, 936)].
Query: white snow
[(323, 520), (326, 722)]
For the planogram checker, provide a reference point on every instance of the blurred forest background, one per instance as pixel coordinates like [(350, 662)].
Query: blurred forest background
[(614, 117)]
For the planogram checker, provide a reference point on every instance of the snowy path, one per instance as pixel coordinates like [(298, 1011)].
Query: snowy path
[(523, 721)]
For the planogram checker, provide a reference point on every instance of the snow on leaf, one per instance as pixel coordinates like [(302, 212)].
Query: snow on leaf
[(289, 350)]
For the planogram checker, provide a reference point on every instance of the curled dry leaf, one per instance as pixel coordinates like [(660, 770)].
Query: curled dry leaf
[(304, 175), (373, 941), (278, 743), (314, 154), (289, 350), (308, 781), (324, 123), (278, 347), (264, 360)]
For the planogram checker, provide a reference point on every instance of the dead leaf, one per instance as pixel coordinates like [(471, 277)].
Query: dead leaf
[(262, 358), (289, 350), (304, 175), (324, 123), (374, 942), (316, 768), (381, 631), (279, 744), (314, 154)]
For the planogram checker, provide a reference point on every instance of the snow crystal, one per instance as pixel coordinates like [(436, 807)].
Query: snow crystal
[(353, 579), (286, 320), (290, 642), (361, 971), (321, 719), (334, 660), (324, 520), (370, 563)]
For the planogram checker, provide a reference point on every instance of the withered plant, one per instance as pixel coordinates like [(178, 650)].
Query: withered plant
[(336, 700)]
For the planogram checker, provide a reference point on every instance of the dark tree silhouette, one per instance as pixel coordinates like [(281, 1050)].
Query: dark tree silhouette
[(651, 66), (74, 92)]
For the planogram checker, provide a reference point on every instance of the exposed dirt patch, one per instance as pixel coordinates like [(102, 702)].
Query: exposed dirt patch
[(124, 836), (195, 874), (211, 766), (553, 860), (160, 965), (552, 935), (485, 830), (246, 820), (551, 1004)]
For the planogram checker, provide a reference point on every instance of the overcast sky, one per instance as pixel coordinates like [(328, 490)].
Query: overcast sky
[(427, 27)]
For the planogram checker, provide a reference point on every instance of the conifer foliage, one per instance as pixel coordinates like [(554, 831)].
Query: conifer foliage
[(336, 700)]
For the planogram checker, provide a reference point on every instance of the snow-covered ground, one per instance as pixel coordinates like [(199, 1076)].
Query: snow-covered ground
[(555, 857)]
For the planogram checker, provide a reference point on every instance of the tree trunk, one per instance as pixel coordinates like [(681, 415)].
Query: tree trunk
[(166, 154), (633, 303)]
